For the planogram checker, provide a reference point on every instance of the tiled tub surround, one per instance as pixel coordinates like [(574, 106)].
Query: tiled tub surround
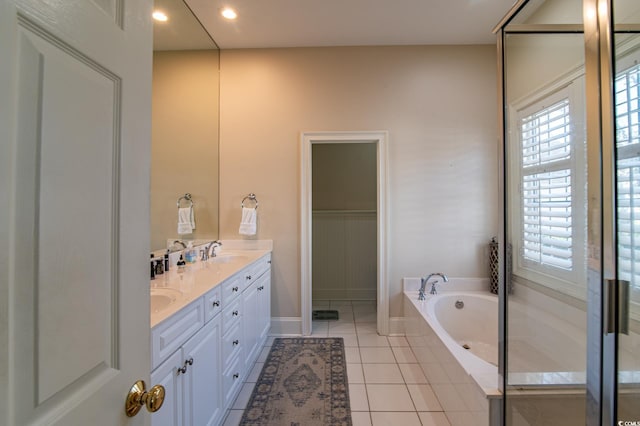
[(465, 384)]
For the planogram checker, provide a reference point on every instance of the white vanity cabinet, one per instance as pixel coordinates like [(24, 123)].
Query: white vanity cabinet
[(246, 322), (233, 360), (201, 390), (257, 319), (264, 306), (249, 321), (166, 376), (191, 380), (202, 353)]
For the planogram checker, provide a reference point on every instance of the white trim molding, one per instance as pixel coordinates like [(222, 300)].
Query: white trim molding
[(285, 326), (380, 138), (396, 326)]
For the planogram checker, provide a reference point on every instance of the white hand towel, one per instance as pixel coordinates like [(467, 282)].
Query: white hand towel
[(186, 221), (248, 222)]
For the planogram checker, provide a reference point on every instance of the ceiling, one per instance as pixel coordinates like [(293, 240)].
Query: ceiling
[(302, 23)]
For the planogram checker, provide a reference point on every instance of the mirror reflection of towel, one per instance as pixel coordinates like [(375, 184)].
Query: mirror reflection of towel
[(186, 221), (248, 222)]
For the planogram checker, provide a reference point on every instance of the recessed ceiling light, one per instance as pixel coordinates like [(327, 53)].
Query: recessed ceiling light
[(160, 16), (229, 13)]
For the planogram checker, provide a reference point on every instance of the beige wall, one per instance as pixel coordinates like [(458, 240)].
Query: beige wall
[(438, 104), (184, 152)]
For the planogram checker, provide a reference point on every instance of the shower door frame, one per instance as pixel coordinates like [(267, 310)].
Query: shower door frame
[(602, 281)]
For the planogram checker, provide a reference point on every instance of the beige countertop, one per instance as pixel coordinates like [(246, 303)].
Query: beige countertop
[(198, 278)]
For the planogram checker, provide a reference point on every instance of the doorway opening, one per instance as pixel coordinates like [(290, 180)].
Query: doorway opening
[(343, 235)]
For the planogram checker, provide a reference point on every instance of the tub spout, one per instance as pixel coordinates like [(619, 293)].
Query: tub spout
[(424, 282)]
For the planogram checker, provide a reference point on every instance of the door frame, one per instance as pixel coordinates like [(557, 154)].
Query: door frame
[(380, 138)]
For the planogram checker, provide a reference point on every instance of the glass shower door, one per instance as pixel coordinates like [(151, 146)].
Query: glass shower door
[(545, 326), (571, 92), (626, 100)]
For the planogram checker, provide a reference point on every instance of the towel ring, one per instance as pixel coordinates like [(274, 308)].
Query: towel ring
[(186, 197), (251, 197)]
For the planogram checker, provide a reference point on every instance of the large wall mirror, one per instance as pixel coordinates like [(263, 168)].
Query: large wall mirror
[(184, 153)]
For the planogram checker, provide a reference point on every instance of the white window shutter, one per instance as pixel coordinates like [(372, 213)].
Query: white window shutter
[(628, 175), (546, 186)]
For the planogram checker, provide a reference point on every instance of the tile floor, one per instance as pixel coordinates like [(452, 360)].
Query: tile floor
[(386, 384)]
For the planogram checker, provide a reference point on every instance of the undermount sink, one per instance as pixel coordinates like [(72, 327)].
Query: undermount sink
[(161, 298), (227, 258)]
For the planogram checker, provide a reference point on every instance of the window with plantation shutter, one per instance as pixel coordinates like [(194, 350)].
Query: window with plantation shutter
[(627, 112), (547, 181), (546, 186)]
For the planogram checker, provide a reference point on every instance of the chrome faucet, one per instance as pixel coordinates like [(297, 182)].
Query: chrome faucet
[(211, 248), (424, 281)]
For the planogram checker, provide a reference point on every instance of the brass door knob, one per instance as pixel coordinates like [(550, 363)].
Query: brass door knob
[(139, 397)]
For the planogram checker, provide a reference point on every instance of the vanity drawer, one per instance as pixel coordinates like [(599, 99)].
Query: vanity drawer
[(262, 265), (255, 270), (231, 315), (232, 288), (170, 334), (212, 303), (231, 345), (231, 381)]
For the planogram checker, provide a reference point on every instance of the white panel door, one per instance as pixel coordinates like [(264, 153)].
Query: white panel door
[(75, 91)]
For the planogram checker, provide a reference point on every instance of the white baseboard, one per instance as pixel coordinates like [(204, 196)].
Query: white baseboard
[(292, 326), (344, 294), (396, 326), (286, 326)]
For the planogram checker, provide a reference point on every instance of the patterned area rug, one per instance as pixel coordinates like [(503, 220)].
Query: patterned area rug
[(303, 383)]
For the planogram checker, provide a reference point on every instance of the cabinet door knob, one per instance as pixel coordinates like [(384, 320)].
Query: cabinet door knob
[(182, 370), (235, 342), (189, 361), (261, 288), (248, 277), (216, 303), (235, 288), (235, 376), (234, 313), (269, 262)]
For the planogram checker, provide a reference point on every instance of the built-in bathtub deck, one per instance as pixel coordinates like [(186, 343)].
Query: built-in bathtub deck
[(546, 357), (466, 385)]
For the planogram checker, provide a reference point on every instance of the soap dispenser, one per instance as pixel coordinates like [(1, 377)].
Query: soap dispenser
[(180, 264), (190, 253)]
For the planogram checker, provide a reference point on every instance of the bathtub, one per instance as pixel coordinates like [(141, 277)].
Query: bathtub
[(457, 349), (468, 325)]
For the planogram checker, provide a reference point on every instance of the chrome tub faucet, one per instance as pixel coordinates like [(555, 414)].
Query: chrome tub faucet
[(424, 281)]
